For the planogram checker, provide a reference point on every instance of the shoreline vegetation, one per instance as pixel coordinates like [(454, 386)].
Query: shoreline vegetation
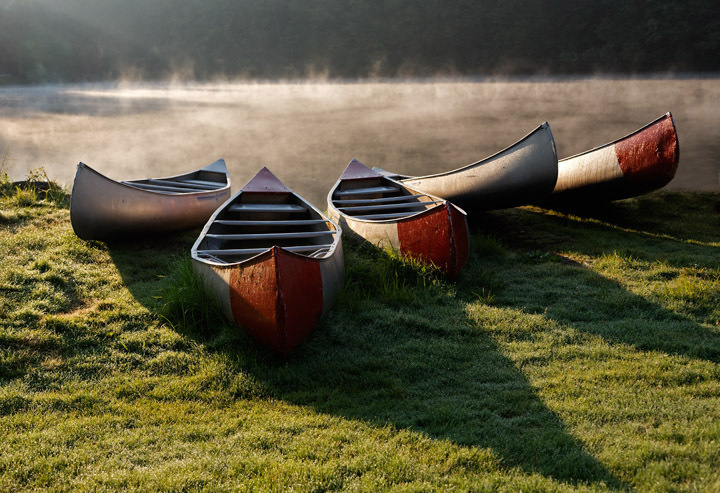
[(84, 40), (578, 351)]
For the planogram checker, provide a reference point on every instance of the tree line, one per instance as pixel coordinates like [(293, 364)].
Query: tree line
[(85, 40)]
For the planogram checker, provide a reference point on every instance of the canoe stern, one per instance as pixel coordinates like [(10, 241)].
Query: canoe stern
[(439, 236)]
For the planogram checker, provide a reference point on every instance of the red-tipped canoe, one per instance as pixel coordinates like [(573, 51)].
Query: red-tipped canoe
[(390, 214), (638, 163), (273, 261), (104, 209)]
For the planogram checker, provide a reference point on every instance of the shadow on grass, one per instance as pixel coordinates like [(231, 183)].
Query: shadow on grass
[(603, 306), (424, 364)]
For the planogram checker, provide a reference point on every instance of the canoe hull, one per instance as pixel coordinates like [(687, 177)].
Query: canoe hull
[(639, 163), (523, 172), (103, 209), (437, 235), (277, 297), (245, 258)]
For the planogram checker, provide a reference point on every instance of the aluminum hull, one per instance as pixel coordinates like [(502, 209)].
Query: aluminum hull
[(105, 209), (517, 175), (389, 214), (275, 269), (638, 163)]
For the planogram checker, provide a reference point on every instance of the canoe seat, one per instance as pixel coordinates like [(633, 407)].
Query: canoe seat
[(162, 188), (182, 184), (206, 183), (402, 198), (266, 208), (364, 191), (289, 222), (394, 215), (388, 206), (254, 251), (270, 236)]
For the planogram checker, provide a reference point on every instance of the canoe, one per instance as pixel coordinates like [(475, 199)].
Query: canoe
[(389, 214), (515, 176), (103, 209), (273, 261), (638, 163)]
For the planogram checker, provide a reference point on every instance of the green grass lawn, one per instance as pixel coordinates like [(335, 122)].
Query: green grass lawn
[(579, 351)]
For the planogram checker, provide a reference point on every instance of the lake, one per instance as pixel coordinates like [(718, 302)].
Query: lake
[(307, 132)]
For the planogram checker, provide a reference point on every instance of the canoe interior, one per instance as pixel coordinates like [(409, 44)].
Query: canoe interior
[(254, 222), (196, 181), (379, 199)]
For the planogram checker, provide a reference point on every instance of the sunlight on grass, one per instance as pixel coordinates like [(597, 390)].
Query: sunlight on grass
[(579, 355)]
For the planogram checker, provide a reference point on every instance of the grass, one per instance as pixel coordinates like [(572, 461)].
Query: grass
[(578, 351)]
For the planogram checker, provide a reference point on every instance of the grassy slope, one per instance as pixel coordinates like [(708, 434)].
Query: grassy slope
[(576, 352)]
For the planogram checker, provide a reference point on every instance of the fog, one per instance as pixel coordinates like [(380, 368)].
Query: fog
[(307, 132)]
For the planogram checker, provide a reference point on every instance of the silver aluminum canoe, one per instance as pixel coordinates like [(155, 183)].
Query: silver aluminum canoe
[(272, 260), (105, 209), (520, 174), (388, 214)]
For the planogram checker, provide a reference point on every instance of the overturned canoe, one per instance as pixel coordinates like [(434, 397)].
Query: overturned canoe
[(387, 213), (518, 175), (103, 209), (638, 163), (273, 261)]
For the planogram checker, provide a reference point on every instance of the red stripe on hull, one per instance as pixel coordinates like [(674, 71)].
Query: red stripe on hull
[(277, 299), (650, 157), (433, 238)]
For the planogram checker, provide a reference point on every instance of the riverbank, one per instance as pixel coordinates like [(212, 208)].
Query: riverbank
[(579, 351)]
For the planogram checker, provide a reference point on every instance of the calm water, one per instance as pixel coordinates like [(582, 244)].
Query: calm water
[(307, 133)]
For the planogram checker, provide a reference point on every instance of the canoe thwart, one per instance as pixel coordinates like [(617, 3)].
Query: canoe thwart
[(179, 183), (270, 236), (296, 222), (363, 191), (162, 188), (266, 208), (254, 251), (401, 198), (388, 206)]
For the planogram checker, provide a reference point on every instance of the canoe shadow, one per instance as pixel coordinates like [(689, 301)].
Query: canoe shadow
[(603, 306), (383, 364)]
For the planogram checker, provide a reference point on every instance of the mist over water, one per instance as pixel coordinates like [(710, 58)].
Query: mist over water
[(307, 132)]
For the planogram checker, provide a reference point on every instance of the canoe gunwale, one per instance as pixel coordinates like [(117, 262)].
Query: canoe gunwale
[(542, 126)]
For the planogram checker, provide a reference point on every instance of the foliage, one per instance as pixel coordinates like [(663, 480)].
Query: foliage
[(578, 351), (72, 40)]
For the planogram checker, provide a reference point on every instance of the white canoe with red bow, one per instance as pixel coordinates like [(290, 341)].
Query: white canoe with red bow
[(392, 215), (638, 163), (273, 261)]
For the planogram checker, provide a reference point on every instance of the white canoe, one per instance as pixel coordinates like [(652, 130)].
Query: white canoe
[(389, 214), (521, 174), (273, 261), (638, 163), (103, 209)]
